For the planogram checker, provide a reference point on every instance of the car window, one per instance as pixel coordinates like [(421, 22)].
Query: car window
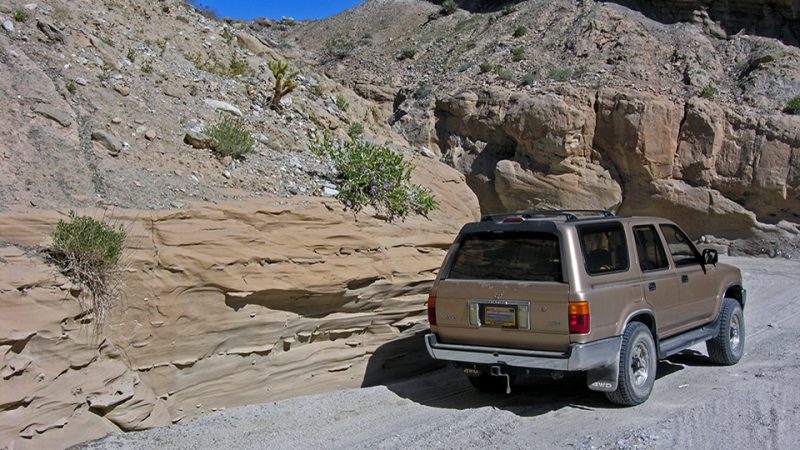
[(649, 249), (680, 246), (604, 248), (508, 256)]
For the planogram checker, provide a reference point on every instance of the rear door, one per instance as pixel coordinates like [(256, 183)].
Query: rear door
[(659, 281), (505, 290)]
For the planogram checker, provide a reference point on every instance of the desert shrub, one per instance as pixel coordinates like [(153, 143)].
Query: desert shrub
[(508, 9), (71, 86), (237, 66), (529, 78), (423, 90), (793, 107), (485, 67), (407, 53), (284, 80), (503, 73), (131, 55), (518, 54), (356, 129), (560, 74), (448, 7), (710, 91), (339, 47), (520, 31), (227, 35), (341, 103), (147, 67), (231, 137), (89, 252), (375, 175), (20, 15)]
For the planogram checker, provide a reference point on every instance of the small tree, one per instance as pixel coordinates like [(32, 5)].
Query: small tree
[(284, 80)]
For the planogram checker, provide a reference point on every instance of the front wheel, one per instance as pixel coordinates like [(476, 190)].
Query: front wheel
[(637, 366), (727, 347)]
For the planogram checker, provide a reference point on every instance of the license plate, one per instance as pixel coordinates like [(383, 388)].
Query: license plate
[(500, 316)]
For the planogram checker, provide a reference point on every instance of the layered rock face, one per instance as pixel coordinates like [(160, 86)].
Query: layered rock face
[(224, 305), (722, 172)]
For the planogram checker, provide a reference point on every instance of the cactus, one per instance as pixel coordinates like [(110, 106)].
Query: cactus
[(284, 80)]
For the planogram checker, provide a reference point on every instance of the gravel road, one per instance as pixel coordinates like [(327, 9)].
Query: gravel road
[(755, 404)]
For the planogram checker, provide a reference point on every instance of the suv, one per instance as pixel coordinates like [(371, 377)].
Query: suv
[(556, 291)]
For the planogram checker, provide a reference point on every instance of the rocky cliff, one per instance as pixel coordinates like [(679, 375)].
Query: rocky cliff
[(224, 305)]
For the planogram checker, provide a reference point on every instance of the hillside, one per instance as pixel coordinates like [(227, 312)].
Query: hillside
[(565, 104)]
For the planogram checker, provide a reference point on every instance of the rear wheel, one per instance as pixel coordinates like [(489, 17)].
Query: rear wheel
[(727, 347), (637, 366), (487, 383)]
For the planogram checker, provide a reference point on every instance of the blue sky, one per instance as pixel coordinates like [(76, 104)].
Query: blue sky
[(275, 9)]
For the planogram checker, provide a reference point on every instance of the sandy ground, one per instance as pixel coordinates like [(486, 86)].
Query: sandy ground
[(755, 404)]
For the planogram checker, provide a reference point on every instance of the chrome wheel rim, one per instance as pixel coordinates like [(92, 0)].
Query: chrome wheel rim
[(734, 335), (639, 364)]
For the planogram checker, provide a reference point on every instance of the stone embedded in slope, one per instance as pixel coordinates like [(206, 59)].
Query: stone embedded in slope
[(52, 113), (108, 140), (219, 105), (198, 139)]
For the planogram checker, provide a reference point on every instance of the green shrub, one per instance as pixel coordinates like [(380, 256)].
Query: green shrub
[(520, 31), (503, 73), (88, 251), (20, 15), (423, 91), (485, 67), (710, 91), (356, 129), (342, 103), (560, 74), (147, 67), (374, 175), (407, 53), (131, 55), (508, 9), (793, 107), (237, 66), (448, 7), (518, 54), (227, 35), (231, 137), (529, 78), (284, 80), (339, 47)]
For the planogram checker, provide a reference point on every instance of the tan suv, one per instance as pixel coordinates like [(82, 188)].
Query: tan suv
[(556, 291)]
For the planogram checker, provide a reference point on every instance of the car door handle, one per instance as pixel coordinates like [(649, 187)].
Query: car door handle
[(684, 278), (651, 286)]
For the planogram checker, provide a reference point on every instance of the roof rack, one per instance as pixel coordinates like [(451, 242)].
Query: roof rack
[(569, 214)]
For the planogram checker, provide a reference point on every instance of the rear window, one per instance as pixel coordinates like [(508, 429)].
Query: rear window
[(508, 256), (604, 248)]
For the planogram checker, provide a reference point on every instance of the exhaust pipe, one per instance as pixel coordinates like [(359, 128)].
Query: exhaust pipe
[(496, 371)]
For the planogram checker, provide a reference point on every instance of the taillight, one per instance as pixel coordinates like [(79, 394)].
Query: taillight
[(432, 310), (579, 318)]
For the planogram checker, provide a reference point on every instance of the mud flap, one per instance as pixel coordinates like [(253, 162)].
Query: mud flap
[(603, 379)]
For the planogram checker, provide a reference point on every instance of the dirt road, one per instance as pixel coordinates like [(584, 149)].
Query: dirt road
[(755, 404)]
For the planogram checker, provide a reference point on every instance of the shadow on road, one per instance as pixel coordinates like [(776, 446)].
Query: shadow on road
[(406, 369)]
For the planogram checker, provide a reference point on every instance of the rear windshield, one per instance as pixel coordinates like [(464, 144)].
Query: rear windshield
[(508, 256)]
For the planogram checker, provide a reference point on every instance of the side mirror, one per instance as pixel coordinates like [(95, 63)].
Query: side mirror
[(710, 256)]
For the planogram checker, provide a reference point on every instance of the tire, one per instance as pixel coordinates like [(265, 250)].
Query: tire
[(727, 347), (637, 366), (487, 383)]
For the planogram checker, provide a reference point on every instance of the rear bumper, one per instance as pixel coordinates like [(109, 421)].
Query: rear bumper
[(592, 355)]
